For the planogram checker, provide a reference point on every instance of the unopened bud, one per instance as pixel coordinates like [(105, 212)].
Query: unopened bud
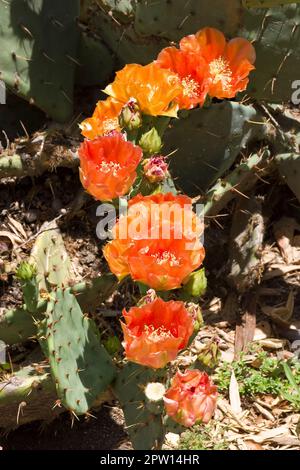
[(131, 117), (156, 169), (150, 142), (26, 271), (209, 355), (196, 313)]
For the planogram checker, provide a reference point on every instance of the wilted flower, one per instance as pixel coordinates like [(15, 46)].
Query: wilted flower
[(229, 64), (104, 120), (155, 332), (156, 169), (108, 166), (153, 88), (191, 398)]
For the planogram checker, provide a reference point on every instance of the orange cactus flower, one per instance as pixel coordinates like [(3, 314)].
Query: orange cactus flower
[(191, 398), (104, 120), (229, 63), (157, 242), (164, 264), (154, 89), (155, 332), (192, 70), (108, 166)]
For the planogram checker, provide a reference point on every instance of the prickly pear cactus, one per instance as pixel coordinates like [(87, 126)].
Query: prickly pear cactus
[(50, 257), (289, 168), (38, 55), (208, 142), (275, 33), (144, 427), (16, 326), (81, 368)]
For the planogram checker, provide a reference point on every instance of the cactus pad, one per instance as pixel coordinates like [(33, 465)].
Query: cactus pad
[(81, 368)]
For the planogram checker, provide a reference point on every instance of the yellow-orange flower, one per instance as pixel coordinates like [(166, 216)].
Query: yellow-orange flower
[(155, 332), (229, 63), (108, 166), (104, 120), (154, 89), (191, 398), (192, 70), (157, 242)]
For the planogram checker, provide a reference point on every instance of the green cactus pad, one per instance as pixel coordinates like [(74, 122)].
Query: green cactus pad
[(267, 3), (80, 366), (289, 167), (213, 138), (39, 42), (50, 257), (145, 429), (16, 326)]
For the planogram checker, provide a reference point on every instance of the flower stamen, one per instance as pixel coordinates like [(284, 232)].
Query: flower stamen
[(220, 71)]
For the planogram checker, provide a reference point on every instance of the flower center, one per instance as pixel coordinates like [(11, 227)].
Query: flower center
[(110, 125), (157, 334), (109, 167), (220, 72), (190, 87), (166, 257)]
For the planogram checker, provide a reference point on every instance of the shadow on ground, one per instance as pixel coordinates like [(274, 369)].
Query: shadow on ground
[(104, 432)]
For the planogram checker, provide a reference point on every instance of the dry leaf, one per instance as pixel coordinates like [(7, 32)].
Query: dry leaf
[(234, 395), (251, 445)]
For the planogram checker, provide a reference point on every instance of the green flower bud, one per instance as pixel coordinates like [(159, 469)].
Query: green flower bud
[(26, 271), (196, 284), (150, 142), (131, 116), (210, 354)]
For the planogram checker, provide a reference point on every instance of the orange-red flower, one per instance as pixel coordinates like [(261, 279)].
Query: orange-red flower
[(154, 89), (155, 332), (192, 70), (164, 264), (157, 242), (229, 64), (104, 120), (108, 166), (192, 398)]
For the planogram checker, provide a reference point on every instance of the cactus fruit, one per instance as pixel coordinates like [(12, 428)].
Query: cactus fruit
[(145, 427), (37, 66), (50, 257), (289, 168), (80, 366), (213, 138)]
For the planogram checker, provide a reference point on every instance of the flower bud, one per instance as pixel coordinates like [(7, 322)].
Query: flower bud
[(156, 169), (155, 392), (209, 355), (26, 271), (151, 142), (131, 117), (196, 314)]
